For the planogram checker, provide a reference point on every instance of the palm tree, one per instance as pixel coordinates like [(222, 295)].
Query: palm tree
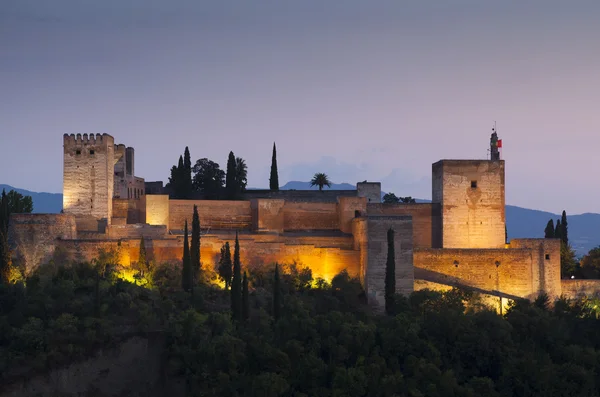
[(320, 179)]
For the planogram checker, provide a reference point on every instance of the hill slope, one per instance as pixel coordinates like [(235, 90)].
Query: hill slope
[(43, 203)]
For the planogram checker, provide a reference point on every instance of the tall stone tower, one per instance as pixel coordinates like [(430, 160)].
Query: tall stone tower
[(471, 198), (88, 175)]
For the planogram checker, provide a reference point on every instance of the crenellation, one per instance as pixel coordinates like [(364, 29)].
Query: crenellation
[(456, 240)]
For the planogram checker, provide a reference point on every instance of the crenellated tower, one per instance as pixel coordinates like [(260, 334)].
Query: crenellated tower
[(88, 175)]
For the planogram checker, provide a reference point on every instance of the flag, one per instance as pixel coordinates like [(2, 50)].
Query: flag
[(499, 143)]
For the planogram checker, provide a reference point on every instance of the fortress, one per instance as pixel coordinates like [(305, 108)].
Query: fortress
[(457, 239)]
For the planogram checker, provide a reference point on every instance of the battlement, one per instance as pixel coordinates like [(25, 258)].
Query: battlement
[(87, 139)]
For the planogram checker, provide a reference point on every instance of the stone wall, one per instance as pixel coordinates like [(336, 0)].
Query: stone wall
[(214, 214), (129, 211), (88, 175), (574, 289), (375, 228), (511, 273), (471, 194), (33, 237), (369, 190), (310, 216), (425, 219), (136, 231), (348, 209), (268, 215), (157, 209), (303, 196)]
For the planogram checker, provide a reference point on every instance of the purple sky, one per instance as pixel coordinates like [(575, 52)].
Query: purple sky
[(373, 90)]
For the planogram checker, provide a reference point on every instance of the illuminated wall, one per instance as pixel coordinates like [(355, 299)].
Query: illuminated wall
[(214, 214), (574, 289), (471, 195), (157, 209)]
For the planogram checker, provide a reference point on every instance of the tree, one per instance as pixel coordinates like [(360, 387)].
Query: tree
[(143, 261), (549, 231), (241, 176), (225, 265), (390, 198), (186, 175), (590, 264), (407, 200), (230, 178), (19, 204), (558, 230), (236, 282), (5, 257), (568, 261), (390, 273), (320, 179), (274, 178), (208, 178), (186, 271), (195, 249), (276, 294), (564, 232), (245, 299)]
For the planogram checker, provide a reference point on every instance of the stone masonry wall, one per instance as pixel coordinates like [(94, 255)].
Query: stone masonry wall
[(374, 282), (574, 289), (510, 273), (425, 218), (214, 214), (545, 256), (157, 209), (347, 210), (472, 202), (33, 237), (88, 175), (310, 216), (268, 215)]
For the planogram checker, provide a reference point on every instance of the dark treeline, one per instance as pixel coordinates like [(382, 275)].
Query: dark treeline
[(287, 334), (207, 177)]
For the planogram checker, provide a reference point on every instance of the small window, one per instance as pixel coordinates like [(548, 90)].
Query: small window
[(92, 151), (455, 263), (473, 184), (78, 152), (547, 257)]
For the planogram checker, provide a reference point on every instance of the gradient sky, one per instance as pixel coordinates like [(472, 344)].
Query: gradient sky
[(375, 90)]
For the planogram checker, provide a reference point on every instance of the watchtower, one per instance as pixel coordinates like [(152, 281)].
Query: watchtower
[(88, 175), (472, 202)]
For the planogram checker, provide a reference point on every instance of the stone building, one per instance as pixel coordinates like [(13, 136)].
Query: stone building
[(459, 239)]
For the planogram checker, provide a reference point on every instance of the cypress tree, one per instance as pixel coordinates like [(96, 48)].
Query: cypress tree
[(236, 282), (564, 231), (274, 178), (276, 294), (5, 260), (142, 261), (195, 249), (186, 181), (231, 178), (549, 231), (180, 183), (558, 230), (186, 271), (245, 299), (225, 265), (390, 273)]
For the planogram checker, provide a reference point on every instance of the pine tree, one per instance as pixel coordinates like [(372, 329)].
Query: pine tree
[(230, 177), (564, 228), (245, 299), (195, 249), (236, 283), (186, 272), (225, 269), (274, 178), (276, 294), (143, 261), (549, 231), (390, 273), (558, 230)]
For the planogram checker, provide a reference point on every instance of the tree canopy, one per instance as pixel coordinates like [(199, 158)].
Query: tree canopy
[(320, 179)]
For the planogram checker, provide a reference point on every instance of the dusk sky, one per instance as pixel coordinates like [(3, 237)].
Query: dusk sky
[(375, 90)]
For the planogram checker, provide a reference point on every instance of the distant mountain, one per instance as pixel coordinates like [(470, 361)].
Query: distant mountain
[(43, 203), (584, 229)]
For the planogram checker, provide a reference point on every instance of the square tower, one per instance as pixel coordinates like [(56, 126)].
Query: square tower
[(471, 198), (88, 175)]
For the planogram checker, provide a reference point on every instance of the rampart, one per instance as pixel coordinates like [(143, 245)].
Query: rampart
[(34, 237), (574, 289)]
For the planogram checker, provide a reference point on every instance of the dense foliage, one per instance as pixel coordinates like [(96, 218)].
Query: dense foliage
[(320, 339)]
